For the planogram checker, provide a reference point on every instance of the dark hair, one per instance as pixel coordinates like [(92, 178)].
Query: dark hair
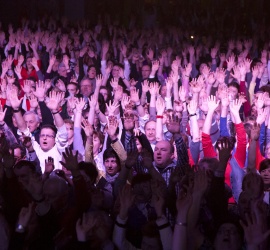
[(212, 163), (50, 126), (235, 85), (140, 178), (24, 163), (265, 164), (90, 169), (110, 153)]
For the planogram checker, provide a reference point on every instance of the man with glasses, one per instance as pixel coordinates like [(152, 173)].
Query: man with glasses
[(52, 139)]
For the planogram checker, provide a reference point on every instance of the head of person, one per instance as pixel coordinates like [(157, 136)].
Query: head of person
[(264, 170), (72, 88), (163, 91), (89, 172), (98, 141), (70, 128), (229, 237), (163, 154), (56, 192), (92, 71), (252, 184), (150, 131), (32, 120), (105, 93), (139, 145), (146, 70), (23, 170), (141, 188), (115, 70), (29, 62), (233, 90), (62, 71), (208, 164), (86, 87), (249, 123), (18, 151), (47, 137), (102, 230), (111, 162), (129, 119)]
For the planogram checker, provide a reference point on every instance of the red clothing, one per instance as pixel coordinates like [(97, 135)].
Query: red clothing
[(247, 106), (239, 155), (25, 73)]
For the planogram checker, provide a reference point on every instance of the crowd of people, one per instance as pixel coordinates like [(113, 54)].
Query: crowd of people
[(129, 138)]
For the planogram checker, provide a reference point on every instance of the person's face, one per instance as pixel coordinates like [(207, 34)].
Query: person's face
[(162, 154), (232, 93), (96, 145), (146, 70), (92, 72), (115, 71), (46, 139), (31, 122), (129, 121), (150, 131), (163, 91), (62, 71), (104, 92), (227, 238), (72, 90), (70, 130), (265, 174), (28, 63), (202, 66), (86, 88), (17, 154), (111, 166)]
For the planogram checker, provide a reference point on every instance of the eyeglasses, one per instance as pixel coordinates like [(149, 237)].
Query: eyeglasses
[(47, 136), (128, 116)]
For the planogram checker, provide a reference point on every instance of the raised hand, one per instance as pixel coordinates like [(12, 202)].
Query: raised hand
[(71, 160), (88, 128), (255, 132), (125, 102), (134, 95), (154, 88), (235, 106), (192, 107), (195, 86), (53, 103), (33, 101), (173, 124), (114, 83), (160, 106), (112, 127), (15, 102), (99, 79), (79, 104), (40, 91), (27, 87), (111, 108), (84, 226), (49, 165), (230, 62), (212, 103), (145, 86)]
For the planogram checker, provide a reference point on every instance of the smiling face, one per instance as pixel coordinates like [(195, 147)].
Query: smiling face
[(46, 139)]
